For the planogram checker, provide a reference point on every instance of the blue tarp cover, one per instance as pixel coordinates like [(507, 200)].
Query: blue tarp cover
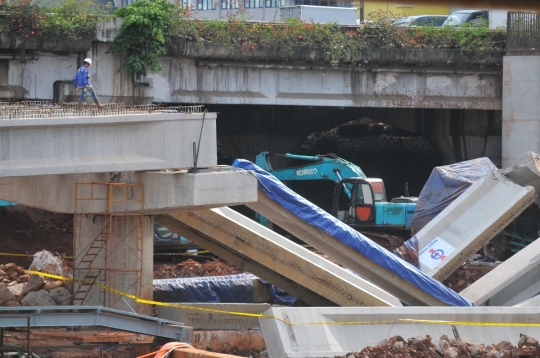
[(320, 219), (212, 289), (215, 289), (446, 184)]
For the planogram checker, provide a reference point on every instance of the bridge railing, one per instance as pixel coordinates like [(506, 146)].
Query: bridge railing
[(523, 34)]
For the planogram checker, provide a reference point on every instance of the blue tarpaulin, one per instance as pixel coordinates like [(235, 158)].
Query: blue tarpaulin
[(215, 289), (320, 219)]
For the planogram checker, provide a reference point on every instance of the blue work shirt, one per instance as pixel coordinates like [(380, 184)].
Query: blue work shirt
[(81, 79)]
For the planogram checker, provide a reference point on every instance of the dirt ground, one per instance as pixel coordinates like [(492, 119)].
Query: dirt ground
[(31, 231)]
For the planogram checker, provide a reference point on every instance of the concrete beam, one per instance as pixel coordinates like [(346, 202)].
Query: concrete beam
[(227, 82), (512, 282), (466, 225), (531, 302), (343, 254), (276, 259), (199, 317), (336, 331), (112, 143), (164, 191)]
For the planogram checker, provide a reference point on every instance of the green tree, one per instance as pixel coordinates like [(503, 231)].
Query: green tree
[(143, 35)]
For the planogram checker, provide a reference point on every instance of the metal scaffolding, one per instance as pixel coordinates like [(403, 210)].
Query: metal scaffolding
[(96, 266)]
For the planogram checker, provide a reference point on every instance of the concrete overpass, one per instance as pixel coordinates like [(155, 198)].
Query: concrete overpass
[(461, 106)]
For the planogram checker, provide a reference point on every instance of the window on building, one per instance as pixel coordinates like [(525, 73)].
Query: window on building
[(230, 4), (206, 5), (253, 4), (270, 3)]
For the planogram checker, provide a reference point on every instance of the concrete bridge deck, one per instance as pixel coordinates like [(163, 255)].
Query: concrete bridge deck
[(115, 139)]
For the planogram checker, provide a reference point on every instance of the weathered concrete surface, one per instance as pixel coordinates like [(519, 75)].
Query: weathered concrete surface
[(467, 224), (206, 315), (276, 259), (164, 191), (515, 280), (218, 82), (343, 254), (336, 336), (521, 108), (106, 143), (121, 263), (527, 172)]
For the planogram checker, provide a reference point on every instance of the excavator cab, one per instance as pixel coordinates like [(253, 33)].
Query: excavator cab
[(360, 207), (361, 203)]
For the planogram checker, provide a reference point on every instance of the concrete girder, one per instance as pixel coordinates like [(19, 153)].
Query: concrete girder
[(343, 254), (164, 191), (335, 331), (276, 259), (114, 143), (467, 224), (213, 82), (512, 282)]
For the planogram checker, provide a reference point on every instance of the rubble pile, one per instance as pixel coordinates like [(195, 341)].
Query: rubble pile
[(423, 347), (470, 272), (192, 268), (20, 289)]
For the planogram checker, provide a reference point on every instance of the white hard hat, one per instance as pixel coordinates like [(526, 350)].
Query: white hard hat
[(88, 61)]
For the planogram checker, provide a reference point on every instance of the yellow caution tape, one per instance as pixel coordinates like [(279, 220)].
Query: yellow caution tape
[(26, 255), (259, 315)]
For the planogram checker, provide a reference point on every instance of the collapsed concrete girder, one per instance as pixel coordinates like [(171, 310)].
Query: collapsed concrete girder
[(345, 255), (336, 331), (467, 224), (514, 281), (298, 271)]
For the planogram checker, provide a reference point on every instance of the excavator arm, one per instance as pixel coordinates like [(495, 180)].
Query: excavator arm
[(321, 167)]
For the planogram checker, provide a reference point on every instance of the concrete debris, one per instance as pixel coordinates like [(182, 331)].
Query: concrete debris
[(15, 285), (38, 298), (35, 283), (5, 295), (61, 296), (449, 348)]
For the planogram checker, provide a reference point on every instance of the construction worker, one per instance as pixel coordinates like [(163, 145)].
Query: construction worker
[(81, 82)]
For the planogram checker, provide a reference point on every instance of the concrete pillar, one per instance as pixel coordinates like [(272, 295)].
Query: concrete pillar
[(460, 135), (116, 252), (521, 108)]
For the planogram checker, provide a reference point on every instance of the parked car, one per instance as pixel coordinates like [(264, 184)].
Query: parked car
[(467, 16), (166, 239), (421, 20)]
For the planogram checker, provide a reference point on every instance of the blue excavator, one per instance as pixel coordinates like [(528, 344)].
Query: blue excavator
[(359, 201)]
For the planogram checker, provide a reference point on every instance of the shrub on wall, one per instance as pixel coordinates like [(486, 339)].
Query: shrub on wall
[(28, 19)]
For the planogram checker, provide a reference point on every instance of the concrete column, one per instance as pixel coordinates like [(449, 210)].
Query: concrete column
[(521, 108), (121, 260), (460, 135)]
